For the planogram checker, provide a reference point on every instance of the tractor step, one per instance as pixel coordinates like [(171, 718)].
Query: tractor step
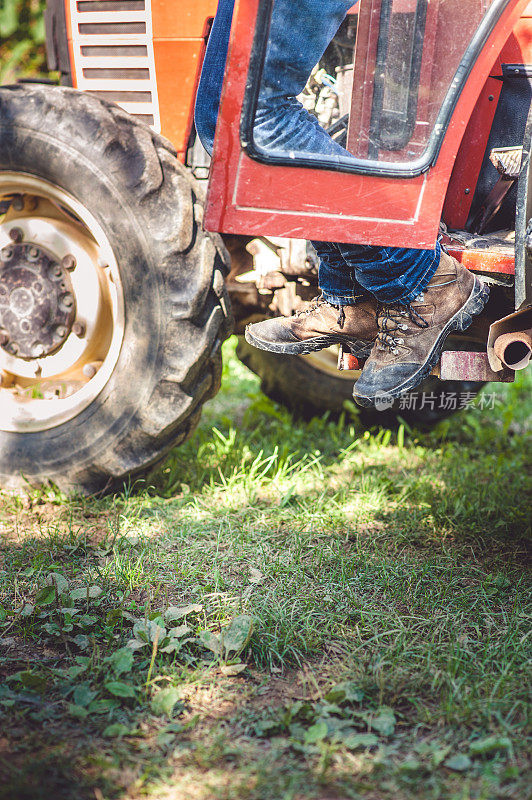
[(454, 365)]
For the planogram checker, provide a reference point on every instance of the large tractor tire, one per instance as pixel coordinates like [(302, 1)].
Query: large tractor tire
[(312, 386), (112, 300)]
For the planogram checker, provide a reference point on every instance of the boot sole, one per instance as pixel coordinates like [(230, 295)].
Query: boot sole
[(459, 322), (357, 347)]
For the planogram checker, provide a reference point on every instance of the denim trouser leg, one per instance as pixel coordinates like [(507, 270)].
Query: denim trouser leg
[(212, 75), (391, 274), (299, 34)]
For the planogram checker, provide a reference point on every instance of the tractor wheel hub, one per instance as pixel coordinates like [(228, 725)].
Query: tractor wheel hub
[(37, 301)]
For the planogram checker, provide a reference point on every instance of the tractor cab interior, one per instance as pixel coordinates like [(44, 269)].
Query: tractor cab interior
[(409, 62)]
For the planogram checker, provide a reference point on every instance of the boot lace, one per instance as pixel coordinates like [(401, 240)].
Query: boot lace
[(391, 320), (315, 304)]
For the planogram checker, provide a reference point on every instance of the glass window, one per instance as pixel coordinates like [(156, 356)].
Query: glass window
[(396, 66)]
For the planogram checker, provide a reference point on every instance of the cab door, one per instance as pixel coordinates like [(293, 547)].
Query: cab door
[(418, 69)]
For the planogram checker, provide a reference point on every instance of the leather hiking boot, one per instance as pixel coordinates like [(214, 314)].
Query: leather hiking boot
[(319, 325), (411, 337)]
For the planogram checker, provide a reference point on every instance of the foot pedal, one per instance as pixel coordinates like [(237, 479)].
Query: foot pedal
[(507, 161)]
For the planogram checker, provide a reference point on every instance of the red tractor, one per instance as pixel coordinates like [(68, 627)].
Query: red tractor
[(116, 286)]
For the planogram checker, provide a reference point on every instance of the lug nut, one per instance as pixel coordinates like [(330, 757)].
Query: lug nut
[(37, 350), (6, 253), (15, 234), (33, 252), (61, 330), (89, 370), (68, 300), (78, 329), (69, 262), (55, 271), (18, 202)]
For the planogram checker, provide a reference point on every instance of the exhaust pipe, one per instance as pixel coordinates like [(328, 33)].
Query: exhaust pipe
[(509, 345), (514, 349)]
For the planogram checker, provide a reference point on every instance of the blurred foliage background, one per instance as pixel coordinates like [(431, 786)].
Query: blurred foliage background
[(22, 52)]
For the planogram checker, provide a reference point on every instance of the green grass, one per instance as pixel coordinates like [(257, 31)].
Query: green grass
[(390, 565)]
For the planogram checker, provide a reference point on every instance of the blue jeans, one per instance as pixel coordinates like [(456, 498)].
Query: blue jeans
[(299, 34)]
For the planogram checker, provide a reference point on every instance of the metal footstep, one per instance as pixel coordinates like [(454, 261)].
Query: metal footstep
[(454, 365)]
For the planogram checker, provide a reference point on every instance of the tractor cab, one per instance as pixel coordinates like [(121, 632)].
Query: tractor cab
[(418, 88)]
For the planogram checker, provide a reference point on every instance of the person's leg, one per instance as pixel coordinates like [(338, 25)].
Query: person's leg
[(212, 75), (392, 274), (350, 276), (299, 34), (336, 278)]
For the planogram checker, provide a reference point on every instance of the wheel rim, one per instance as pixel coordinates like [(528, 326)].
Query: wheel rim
[(61, 305)]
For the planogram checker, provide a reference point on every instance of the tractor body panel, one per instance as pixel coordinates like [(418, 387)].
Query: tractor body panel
[(145, 55), (402, 209)]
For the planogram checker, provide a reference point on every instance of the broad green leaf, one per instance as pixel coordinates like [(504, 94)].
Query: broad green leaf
[(116, 730), (316, 732), (439, 755), (27, 610), (77, 711), (81, 640), (211, 642), (458, 763), (45, 596), (157, 617), (237, 634), (121, 661), (148, 631), (355, 740), (52, 628), (113, 616), (120, 689), (383, 721), (174, 644), (232, 669), (74, 671), (102, 706), (87, 620), (178, 612), (181, 630), (86, 592), (347, 691), (489, 745), (165, 738), (411, 766), (3, 613), (33, 680), (83, 695), (9, 19), (136, 644), (165, 700), (57, 580)]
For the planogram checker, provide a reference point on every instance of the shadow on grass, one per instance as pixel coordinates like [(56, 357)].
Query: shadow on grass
[(397, 560)]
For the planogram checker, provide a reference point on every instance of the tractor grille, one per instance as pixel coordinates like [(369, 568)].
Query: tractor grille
[(113, 54)]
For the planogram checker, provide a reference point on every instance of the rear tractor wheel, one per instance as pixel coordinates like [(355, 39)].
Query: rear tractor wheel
[(112, 300)]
